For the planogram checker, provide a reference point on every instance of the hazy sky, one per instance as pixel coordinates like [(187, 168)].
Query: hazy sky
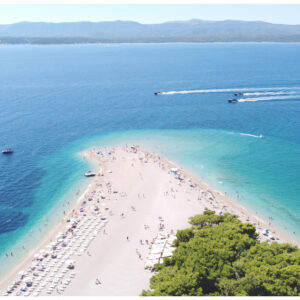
[(285, 14)]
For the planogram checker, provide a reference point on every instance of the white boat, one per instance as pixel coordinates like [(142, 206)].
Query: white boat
[(7, 151), (89, 174)]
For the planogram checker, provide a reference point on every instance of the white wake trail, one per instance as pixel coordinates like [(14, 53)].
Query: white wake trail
[(270, 93), (229, 90), (269, 98), (252, 135)]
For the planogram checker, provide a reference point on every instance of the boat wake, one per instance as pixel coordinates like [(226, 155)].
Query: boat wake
[(253, 135), (270, 93), (262, 91), (274, 98)]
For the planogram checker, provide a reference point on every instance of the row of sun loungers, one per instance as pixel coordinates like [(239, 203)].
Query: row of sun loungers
[(161, 248), (53, 268)]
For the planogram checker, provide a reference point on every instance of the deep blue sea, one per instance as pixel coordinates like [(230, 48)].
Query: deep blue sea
[(56, 101)]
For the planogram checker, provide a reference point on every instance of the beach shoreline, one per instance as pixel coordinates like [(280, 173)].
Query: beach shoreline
[(50, 234), (244, 212), (140, 164)]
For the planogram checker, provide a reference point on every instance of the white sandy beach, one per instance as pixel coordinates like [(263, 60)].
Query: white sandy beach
[(136, 195)]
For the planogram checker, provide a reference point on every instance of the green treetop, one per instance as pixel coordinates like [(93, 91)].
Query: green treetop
[(221, 256)]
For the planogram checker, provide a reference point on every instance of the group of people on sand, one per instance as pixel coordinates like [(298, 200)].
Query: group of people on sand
[(203, 195)]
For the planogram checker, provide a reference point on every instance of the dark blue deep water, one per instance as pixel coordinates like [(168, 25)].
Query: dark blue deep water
[(57, 100)]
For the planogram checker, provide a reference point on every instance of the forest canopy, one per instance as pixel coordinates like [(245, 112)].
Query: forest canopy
[(221, 256)]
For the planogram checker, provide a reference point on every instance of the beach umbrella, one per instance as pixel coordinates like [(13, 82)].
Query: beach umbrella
[(69, 264), (35, 263), (28, 279), (9, 288), (22, 273), (49, 252), (266, 232)]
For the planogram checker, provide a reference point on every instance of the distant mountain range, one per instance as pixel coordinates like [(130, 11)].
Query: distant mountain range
[(128, 31)]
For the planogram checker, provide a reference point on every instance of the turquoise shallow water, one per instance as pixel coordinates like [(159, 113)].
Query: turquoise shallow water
[(56, 101)]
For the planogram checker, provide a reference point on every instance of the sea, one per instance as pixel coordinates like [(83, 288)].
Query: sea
[(58, 100)]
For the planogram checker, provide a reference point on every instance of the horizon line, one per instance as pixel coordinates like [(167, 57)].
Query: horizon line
[(175, 21)]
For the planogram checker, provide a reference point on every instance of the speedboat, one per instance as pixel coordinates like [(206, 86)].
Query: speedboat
[(157, 93), (261, 136), (7, 151), (238, 94), (232, 100), (89, 174)]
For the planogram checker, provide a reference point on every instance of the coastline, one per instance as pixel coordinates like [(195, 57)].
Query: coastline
[(220, 200), (25, 263), (243, 212)]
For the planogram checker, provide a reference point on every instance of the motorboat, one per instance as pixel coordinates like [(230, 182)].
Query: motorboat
[(89, 174), (7, 151), (232, 100), (261, 136), (238, 94), (157, 93)]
